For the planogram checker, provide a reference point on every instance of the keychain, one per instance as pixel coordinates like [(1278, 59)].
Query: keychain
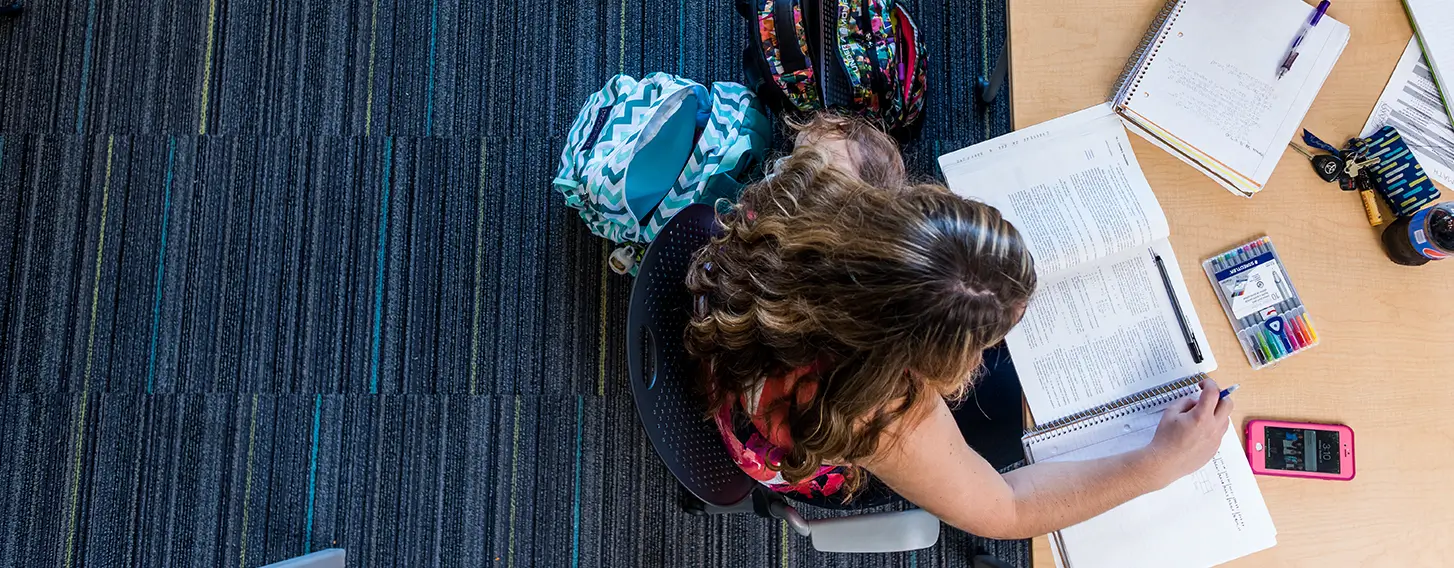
[(1350, 167), (1327, 167)]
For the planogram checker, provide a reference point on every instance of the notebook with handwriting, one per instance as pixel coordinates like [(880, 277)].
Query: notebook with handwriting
[(1203, 84), (1212, 516)]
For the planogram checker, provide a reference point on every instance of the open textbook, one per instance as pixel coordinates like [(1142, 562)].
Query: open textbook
[(1099, 352), (1101, 325)]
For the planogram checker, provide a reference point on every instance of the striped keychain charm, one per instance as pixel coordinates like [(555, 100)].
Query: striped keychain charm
[(1396, 172)]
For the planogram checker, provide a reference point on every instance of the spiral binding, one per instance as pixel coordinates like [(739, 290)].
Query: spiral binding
[(1117, 409), (1165, 19)]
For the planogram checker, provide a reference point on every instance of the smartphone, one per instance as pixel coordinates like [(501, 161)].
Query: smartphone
[(1300, 449)]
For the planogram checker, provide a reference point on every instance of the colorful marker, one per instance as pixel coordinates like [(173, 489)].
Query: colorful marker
[(1302, 331), (1296, 331), (1277, 351), (1288, 339), (1262, 346), (1290, 336), (1259, 341), (1249, 345)]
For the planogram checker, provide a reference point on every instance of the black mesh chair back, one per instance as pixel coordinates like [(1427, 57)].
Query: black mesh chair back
[(837, 91), (672, 410)]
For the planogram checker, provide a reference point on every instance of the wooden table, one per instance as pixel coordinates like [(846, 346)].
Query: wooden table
[(1385, 365)]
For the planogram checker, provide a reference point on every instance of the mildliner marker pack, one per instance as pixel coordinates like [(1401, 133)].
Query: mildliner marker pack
[(1270, 319)]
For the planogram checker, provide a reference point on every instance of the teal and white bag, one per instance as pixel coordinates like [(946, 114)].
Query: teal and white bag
[(640, 151)]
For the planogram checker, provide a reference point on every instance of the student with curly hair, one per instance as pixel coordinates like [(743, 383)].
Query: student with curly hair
[(843, 311)]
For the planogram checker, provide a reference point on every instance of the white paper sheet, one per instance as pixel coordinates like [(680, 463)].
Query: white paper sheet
[(1411, 104)]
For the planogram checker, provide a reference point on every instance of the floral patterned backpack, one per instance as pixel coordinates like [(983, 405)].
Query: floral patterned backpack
[(864, 56)]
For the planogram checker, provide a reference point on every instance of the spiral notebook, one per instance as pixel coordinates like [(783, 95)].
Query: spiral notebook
[(1212, 516), (1203, 84)]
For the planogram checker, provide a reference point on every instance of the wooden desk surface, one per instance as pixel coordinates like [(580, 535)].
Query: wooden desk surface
[(1385, 365)]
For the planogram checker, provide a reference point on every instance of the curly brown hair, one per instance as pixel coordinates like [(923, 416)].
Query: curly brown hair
[(893, 292)]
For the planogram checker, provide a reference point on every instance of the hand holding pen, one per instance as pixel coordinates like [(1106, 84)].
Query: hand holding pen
[(1190, 432)]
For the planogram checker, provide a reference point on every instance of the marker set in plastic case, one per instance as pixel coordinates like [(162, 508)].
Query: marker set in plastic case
[(1258, 297)]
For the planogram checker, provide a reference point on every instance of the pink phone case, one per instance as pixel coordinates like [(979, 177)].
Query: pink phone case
[(1257, 454)]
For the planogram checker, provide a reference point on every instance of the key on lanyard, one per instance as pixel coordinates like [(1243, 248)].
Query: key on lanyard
[(1327, 167)]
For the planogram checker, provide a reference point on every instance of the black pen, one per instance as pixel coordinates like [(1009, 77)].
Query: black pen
[(1191, 340)]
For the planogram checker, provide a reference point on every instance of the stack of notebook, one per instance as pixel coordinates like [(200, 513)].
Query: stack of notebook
[(1203, 84)]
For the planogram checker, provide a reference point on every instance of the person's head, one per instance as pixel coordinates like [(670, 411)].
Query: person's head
[(893, 292), (854, 146)]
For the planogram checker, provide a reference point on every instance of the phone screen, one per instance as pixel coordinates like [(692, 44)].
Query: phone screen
[(1302, 449)]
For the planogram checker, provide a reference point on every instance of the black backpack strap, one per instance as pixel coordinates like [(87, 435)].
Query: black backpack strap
[(747, 9), (865, 23), (781, 88), (754, 62), (786, 28)]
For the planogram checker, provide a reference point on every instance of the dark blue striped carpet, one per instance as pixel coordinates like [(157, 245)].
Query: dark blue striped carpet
[(278, 276)]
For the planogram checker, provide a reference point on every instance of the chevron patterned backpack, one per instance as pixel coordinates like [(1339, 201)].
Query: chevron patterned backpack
[(864, 56), (640, 151)]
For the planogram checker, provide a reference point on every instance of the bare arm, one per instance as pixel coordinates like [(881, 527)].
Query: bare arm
[(932, 466)]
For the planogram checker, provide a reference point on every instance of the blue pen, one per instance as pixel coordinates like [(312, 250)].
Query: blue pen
[(1302, 33), (1230, 390)]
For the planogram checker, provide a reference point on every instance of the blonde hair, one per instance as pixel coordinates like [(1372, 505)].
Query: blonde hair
[(893, 292)]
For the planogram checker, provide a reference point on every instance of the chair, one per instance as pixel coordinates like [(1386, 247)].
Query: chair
[(988, 89), (673, 413)]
